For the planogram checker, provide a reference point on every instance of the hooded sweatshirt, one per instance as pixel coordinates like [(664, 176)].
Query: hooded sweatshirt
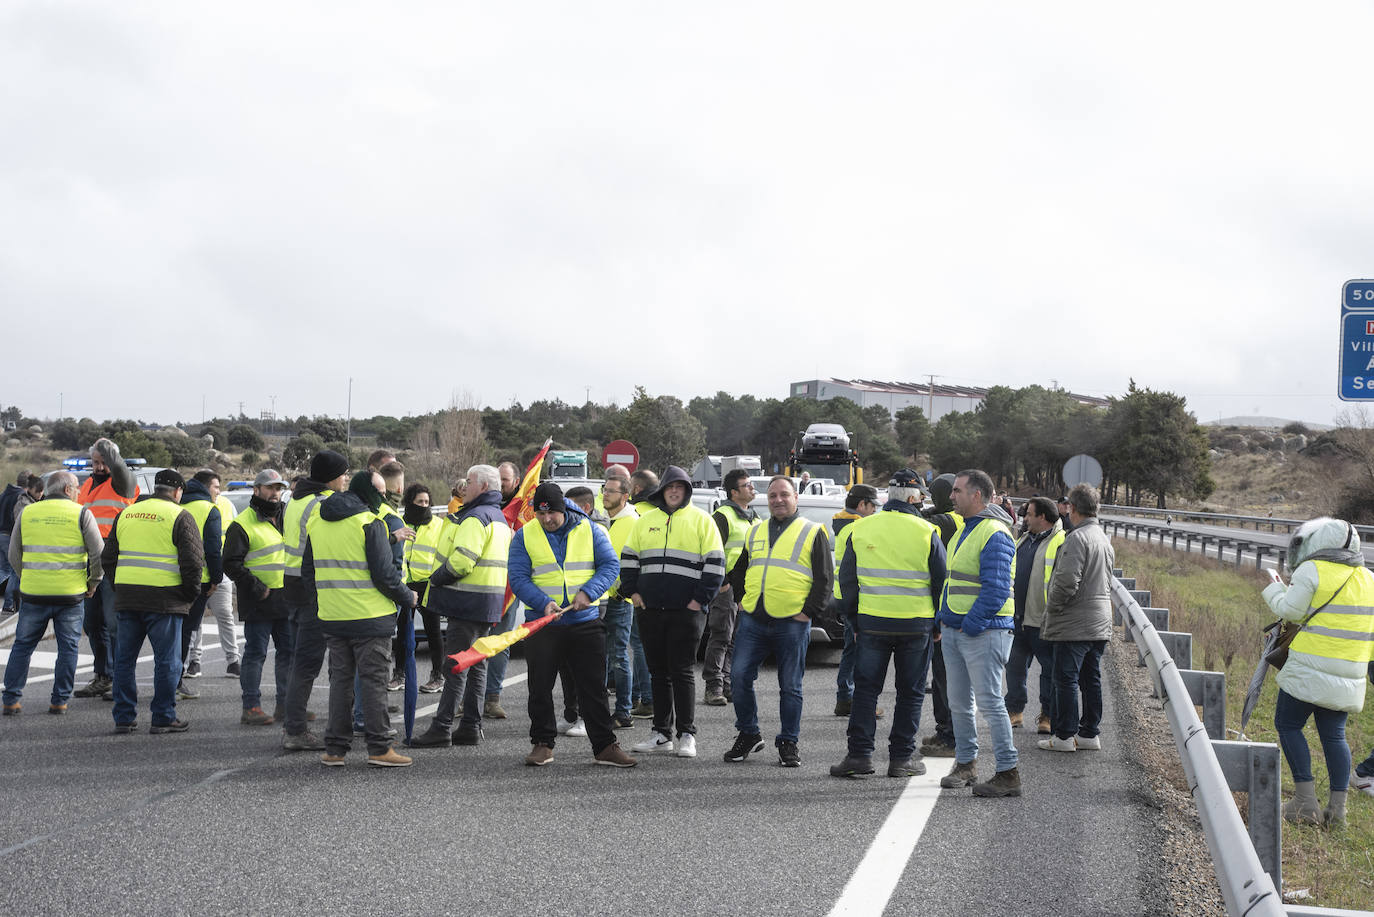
[(695, 568), (380, 565), (994, 574), (519, 568), (193, 492)]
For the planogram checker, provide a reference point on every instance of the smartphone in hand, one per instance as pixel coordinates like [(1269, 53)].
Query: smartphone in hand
[(1274, 576)]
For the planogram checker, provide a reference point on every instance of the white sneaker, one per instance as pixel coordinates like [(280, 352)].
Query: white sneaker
[(1054, 743), (567, 726), (1086, 744), (1363, 784), (577, 729), (656, 741), (686, 745)]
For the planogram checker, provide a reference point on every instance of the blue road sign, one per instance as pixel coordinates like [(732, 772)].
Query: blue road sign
[(1357, 294), (1357, 356)]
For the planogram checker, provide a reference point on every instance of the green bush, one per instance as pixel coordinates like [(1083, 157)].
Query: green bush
[(242, 436), (301, 450), (185, 450)]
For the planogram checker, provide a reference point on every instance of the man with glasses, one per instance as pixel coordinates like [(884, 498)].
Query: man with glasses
[(615, 499), (733, 518)]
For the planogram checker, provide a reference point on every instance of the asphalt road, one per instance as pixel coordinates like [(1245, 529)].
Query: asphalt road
[(220, 820)]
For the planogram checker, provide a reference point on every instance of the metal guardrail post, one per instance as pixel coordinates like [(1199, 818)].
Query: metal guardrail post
[(1127, 581), (1253, 768), (1208, 691), (1246, 887), (1141, 596), (1179, 646)]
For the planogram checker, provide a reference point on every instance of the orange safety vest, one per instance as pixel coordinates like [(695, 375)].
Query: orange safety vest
[(104, 503)]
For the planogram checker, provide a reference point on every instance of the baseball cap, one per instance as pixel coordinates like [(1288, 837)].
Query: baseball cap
[(168, 477), (269, 478)]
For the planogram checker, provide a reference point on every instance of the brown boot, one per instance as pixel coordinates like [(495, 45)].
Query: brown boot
[(614, 756), (964, 774), (1042, 725), (539, 756), (1016, 719), (1003, 783)]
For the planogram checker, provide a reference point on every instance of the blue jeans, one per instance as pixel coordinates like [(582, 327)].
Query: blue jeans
[(973, 674), (1027, 647), (163, 631), (256, 633), (619, 621), (910, 654), (1290, 716), (1077, 671), (641, 685), (786, 639), (844, 678), (102, 627), (496, 665), (32, 624), (9, 574)]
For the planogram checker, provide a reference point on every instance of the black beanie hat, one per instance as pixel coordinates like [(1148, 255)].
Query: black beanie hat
[(548, 497), (327, 465)]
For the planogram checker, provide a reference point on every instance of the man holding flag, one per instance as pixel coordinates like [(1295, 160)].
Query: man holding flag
[(468, 588), (561, 564)]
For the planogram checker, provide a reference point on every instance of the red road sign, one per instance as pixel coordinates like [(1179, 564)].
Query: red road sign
[(620, 452)]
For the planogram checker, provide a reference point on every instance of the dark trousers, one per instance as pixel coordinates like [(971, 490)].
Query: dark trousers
[(1027, 647), (671, 636), (939, 694), (1290, 716), (468, 687), (163, 631), (434, 640), (307, 657), (368, 660), (102, 627), (192, 623), (1076, 669), (581, 650), (910, 654), (256, 633)]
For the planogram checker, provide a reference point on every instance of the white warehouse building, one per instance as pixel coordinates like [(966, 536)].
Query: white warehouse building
[(935, 400)]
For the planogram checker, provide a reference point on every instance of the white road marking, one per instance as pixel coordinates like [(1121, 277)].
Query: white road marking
[(871, 886)]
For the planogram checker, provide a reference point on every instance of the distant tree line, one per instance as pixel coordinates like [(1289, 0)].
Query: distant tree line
[(1149, 446)]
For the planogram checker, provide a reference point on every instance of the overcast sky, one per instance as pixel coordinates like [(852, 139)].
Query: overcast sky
[(219, 203)]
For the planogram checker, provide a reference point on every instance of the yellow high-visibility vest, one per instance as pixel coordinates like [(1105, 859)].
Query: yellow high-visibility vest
[(579, 560), (780, 573), (147, 554), (54, 550), (963, 582), (343, 580), (892, 564), (1344, 629)]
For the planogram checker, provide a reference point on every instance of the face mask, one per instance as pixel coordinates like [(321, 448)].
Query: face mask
[(393, 499), (417, 515)]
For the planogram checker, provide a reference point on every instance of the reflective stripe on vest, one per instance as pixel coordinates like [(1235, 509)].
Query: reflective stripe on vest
[(266, 557), (780, 573), (892, 563), (841, 541), (227, 514), (343, 581), (147, 554), (54, 550), (103, 502), (200, 511), (621, 527), (299, 517), (736, 532), (1343, 629), (419, 553), (962, 583), (1051, 552), (682, 535), (488, 573), (579, 561)]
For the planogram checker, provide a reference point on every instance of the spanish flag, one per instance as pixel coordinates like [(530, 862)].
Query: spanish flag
[(518, 512), (490, 645)]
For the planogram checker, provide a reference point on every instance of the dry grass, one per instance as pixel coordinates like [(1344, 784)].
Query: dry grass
[(1253, 484), (1222, 608)]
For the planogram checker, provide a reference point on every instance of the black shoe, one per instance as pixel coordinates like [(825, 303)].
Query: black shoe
[(232, 670), (94, 688), (788, 756), (125, 728), (468, 735), (624, 722), (173, 726), (745, 745), (192, 670), (108, 695), (431, 738), (852, 767), (908, 767)]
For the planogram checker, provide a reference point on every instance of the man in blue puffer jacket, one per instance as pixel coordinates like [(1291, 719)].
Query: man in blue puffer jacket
[(976, 620), (560, 563)]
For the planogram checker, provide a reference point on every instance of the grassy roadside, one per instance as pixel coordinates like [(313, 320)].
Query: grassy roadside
[(1222, 608)]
